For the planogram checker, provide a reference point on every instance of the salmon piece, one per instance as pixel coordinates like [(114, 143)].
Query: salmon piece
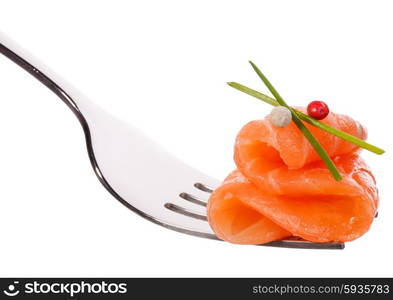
[(234, 220), (282, 188)]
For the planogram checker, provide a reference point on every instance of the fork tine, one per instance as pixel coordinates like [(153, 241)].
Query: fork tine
[(184, 211), (193, 199), (203, 187), (301, 244)]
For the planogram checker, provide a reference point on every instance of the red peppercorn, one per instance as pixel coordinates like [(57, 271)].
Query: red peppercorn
[(318, 110)]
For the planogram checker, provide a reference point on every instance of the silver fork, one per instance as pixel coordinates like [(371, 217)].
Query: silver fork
[(136, 171)]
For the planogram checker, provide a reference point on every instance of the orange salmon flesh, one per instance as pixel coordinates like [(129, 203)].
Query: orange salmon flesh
[(281, 188)]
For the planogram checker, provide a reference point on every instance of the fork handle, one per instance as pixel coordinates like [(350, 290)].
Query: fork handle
[(74, 99), (66, 92)]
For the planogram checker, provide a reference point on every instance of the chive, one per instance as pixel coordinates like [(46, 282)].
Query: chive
[(314, 143), (253, 93), (341, 134)]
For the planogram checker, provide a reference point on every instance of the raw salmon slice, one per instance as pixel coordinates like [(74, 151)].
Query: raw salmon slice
[(234, 220), (281, 187)]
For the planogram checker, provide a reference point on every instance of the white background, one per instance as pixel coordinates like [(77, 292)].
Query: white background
[(162, 66)]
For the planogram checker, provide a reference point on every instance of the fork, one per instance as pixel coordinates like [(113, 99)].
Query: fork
[(134, 169)]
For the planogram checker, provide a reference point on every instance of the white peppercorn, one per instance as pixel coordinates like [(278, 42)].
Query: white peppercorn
[(280, 116)]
